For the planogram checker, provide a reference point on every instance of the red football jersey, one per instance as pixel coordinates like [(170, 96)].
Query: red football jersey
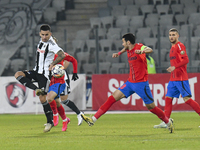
[(137, 64), (179, 59), (68, 58)]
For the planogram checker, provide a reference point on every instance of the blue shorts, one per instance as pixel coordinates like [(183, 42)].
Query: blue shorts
[(141, 88), (175, 88), (57, 88)]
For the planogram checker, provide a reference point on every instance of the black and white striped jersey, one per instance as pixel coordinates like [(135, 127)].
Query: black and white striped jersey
[(45, 55)]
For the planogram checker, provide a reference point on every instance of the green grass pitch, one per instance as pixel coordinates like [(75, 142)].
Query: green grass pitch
[(111, 132)]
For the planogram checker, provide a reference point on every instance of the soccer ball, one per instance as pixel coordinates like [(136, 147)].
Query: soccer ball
[(58, 71)]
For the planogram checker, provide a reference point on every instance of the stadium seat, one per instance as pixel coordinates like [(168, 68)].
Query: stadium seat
[(181, 19), (165, 43), (116, 68), (59, 5), (150, 42), (106, 44), (107, 22), (91, 45), (194, 19), (142, 33), (101, 33), (146, 9), (151, 20), (141, 2), (177, 8), (123, 58), (162, 9), (78, 45), (190, 8), (164, 55), (95, 22), (104, 67), (111, 3), (102, 56), (185, 2), (173, 2), (118, 10), (194, 43), (154, 55), (155, 2), (136, 22), (109, 57), (122, 21), (183, 39), (124, 30), (83, 34), (195, 66), (165, 20), (184, 29), (83, 57), (126, 2), (197, 32), (89, 68), (114, 33), (118, 44), (104, 12), (50, 15), (154, 30), (132, 10)]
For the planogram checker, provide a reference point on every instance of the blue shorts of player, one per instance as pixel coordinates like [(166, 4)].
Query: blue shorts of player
[(57, 88), (175, 88), (141, 88)]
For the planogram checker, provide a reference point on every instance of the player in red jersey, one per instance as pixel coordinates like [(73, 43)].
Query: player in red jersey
[(55, 105), (56, 87), (137, 82), (178, 83)]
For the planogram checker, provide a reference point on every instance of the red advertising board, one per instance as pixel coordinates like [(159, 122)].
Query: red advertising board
[(105, 84)]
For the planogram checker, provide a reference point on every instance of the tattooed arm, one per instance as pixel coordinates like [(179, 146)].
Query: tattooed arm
[(60, 57)]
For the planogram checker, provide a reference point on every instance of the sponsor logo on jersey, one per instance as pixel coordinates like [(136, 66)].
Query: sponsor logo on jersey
[(40, 51), (132, 58), (172, 57)]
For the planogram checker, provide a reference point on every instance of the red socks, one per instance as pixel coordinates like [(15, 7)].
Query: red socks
[(157, 111), (104, 108), (194, 105), (53, 107), (61, 112), (168, 106)]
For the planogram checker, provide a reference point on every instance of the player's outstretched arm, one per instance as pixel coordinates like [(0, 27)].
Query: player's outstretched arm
[(114, 55)]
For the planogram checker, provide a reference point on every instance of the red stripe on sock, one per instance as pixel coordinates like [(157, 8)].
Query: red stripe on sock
[(53, 106), (104, 108), (157, 111), (61, 112), (194, 105)]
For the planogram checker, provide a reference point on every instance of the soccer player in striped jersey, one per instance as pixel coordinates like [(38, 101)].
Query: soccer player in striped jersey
[(178, 83), (46, 50), (137, 82)]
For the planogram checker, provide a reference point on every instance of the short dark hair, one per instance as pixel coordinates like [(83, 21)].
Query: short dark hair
[(45, 27), (129, 37), (173, 30)]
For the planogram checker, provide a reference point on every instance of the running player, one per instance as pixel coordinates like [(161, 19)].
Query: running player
[(178, 83), (137, 82), (55, 105)]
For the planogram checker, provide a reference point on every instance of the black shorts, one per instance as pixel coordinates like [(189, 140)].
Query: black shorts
[(43, 82)]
